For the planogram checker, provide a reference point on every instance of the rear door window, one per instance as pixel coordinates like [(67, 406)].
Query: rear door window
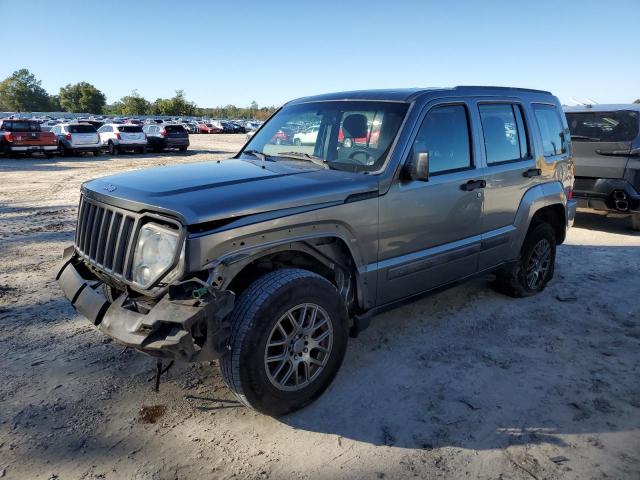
[(551, 129), (620, 126), (444, 133), (505, 137)]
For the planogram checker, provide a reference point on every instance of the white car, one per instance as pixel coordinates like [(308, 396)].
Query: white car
[(120, 137), (77, 137), (306, 137)]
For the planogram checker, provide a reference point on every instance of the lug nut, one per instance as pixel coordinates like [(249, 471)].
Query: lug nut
[(306, 350)]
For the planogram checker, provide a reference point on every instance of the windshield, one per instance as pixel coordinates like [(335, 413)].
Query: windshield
[(347, 135), (620, 126)]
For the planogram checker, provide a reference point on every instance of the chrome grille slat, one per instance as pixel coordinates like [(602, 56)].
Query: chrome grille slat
[(104, 235)]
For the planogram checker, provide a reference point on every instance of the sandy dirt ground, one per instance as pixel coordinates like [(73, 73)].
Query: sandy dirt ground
[(464, 384)]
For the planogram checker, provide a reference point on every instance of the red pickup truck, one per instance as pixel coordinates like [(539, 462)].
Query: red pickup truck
[(25, 136)]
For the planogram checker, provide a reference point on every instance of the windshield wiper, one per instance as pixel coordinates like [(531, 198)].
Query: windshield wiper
[(584, 137), (258, 154), (305, 156)]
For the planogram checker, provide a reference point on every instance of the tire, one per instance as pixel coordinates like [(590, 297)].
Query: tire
[(64, 152), (96, 153), (258, 311), (514, 281), (183, 149), (635, 222), (112, 148)]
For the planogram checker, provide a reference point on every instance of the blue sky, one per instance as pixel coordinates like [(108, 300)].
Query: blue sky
[(270, 51)]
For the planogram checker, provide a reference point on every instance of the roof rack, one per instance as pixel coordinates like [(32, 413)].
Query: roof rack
[(503, 88)]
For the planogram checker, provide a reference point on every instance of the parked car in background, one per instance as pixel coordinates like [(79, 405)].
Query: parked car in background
[(190, 127), (306, 137), (96, 123), (48, 125), (606, 152), (74, 138), (25, 137), (161, 137), (118, 138), (208, 128)]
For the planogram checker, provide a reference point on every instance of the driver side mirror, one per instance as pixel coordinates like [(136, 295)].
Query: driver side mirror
[(417, 167)]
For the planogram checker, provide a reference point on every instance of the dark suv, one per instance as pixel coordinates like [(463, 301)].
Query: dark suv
[(161, 137), (606, 151), (270, 259)]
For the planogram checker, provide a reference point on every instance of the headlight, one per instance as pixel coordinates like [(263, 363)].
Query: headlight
[(154, 254)]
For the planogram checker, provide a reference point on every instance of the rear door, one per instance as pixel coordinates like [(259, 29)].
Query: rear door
[(510, 172), (83, 134), (602, 142), (25, 133)]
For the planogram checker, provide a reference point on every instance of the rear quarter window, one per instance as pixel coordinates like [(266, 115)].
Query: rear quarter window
[(551, 129)]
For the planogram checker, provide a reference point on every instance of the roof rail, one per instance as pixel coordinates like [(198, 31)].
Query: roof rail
[(503, 88)]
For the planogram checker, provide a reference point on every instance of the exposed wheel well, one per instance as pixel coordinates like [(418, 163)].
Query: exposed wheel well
[(554, 215), (329, 257)]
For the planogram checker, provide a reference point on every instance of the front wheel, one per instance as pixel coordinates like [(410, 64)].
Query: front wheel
[(635, 222), (288, 340), (535, 267)]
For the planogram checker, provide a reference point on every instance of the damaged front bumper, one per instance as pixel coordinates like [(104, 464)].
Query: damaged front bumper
[(178, 326)]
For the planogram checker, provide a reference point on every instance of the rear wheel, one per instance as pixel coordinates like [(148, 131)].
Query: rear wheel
[(183, 149), (63, 150), (112, 148), (635, 222), (535, 267), (288, 340)]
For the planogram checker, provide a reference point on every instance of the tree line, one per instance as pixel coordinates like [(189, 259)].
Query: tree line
[(23, 92)]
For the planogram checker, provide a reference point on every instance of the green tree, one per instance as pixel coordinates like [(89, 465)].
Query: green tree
[(134, 104), (22, 92), (54, 103), (82, 97), (177, 105)]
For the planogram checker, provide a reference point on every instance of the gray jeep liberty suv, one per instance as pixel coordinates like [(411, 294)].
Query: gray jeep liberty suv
[(269, 260), (606, 150)]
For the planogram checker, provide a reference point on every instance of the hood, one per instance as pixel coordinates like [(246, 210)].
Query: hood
[(216, 190)]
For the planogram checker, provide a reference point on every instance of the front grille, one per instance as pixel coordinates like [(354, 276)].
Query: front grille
[(104, 235)]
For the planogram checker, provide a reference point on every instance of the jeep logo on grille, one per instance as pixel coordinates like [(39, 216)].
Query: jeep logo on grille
[(110, 188)]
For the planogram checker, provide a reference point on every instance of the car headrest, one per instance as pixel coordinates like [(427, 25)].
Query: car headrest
[(355, 126)]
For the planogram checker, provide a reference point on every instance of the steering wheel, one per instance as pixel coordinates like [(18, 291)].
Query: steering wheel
[(365, 161)]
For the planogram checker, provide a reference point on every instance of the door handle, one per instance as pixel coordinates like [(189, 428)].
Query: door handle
[(473, 184), (532, 172)]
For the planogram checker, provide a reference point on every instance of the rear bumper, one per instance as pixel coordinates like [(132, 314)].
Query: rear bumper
[(611, 195), (177, 142), (167, 330), (33, 148)]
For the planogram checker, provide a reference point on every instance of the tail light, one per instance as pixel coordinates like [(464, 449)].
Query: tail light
[(118, 136), (163, 132), (571, 178), (67, 136), (8, 137)]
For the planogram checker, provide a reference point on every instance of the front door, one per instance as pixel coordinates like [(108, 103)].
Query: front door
[(430, 231)]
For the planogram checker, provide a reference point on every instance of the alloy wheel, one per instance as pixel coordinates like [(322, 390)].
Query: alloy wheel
[(298, 347)]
